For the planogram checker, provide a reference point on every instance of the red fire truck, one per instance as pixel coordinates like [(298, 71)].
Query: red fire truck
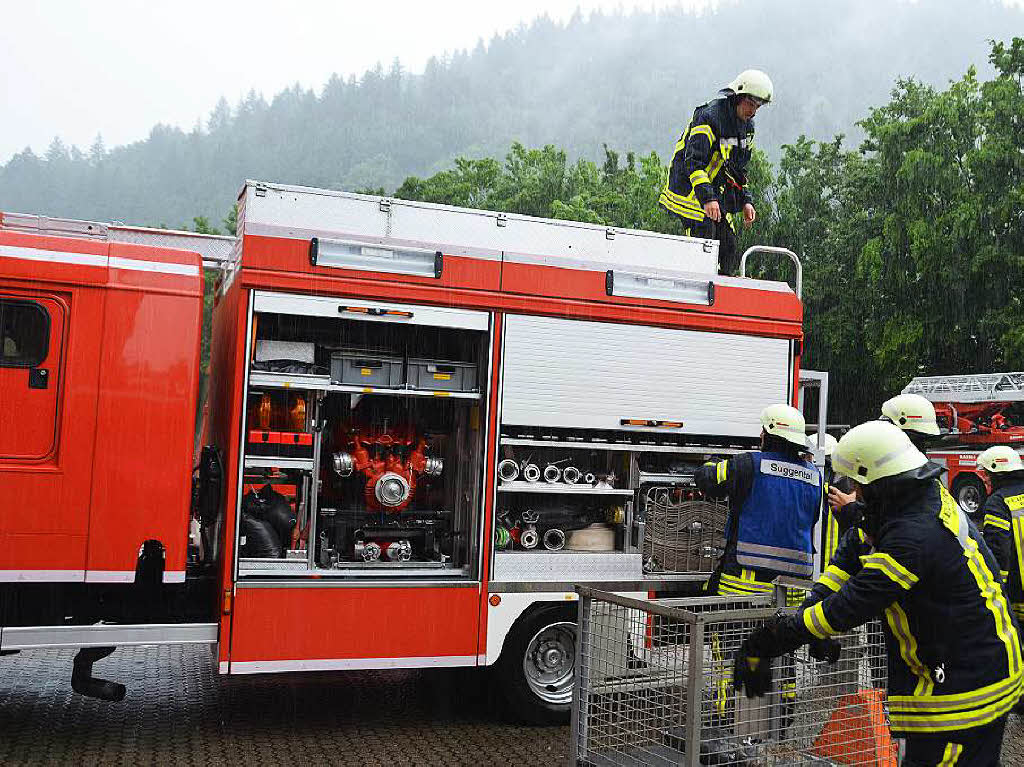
[(974, 412), (424, 425)]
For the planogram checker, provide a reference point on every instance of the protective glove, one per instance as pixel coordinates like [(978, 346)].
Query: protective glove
[(827, 650), (750, 674), (780, 634)]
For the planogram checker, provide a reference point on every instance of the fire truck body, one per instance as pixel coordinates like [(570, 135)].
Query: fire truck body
[(973, 412), (428, 424)]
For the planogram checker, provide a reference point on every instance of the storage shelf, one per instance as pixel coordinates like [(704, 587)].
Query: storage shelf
[(625, 446), (562, 488), (404, 392), (647, 477), (263, 379), (277, 462)]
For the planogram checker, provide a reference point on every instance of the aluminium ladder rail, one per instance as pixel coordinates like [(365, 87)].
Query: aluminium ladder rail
[(977, 387)]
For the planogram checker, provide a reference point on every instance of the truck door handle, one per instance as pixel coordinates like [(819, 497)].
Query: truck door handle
[(38, 378)]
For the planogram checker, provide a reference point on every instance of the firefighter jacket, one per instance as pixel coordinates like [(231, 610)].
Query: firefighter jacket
[(954, 654), (834, 524), (715, 145), (1003, 528), (774, 501)]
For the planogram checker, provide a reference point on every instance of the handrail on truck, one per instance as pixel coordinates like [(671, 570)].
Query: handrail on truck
[(779, 251)]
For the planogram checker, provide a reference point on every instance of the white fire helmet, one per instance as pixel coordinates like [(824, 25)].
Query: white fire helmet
[(875, 450), (1000, 459), (786, 422), (828, 443), (911, 412), (754, 83)]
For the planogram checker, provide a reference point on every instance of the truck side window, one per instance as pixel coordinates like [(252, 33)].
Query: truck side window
[(24, 333)]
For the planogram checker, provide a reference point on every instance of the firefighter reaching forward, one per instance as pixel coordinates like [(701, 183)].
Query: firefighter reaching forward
[(707, 180), (953, 652)]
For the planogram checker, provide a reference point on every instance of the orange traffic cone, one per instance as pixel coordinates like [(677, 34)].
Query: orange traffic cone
[(857, 732)]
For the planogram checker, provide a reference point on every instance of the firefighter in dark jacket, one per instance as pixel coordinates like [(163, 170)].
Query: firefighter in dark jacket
[(833, 525), (1003, 519), (774, 499), (954, 656), (707, 180)]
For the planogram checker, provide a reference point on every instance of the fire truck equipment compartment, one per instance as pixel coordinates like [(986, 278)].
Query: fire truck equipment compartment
[(297, 351)]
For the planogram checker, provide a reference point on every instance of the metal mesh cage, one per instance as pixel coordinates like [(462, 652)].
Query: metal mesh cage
[(685, 533), (654, 676)]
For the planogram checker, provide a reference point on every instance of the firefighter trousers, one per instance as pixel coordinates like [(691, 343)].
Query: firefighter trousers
[(721, 230), (974, 747)]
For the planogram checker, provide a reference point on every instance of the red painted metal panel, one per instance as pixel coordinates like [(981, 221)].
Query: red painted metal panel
[(145, 422), (333, 623)]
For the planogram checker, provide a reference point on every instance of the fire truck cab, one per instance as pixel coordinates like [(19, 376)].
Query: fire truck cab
[(425, 424)]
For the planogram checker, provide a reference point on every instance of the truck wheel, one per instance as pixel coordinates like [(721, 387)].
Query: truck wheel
[(537, 665), (970, 494)]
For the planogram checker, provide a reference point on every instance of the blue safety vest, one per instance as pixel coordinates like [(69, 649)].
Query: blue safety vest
[(776, 520)]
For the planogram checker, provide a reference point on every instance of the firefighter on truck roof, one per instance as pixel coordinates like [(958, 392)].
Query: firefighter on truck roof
[(707, 180), (774, 499), (954, 657)]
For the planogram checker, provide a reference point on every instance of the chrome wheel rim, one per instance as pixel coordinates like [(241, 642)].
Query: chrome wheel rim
[(969, 498), (549, 663)]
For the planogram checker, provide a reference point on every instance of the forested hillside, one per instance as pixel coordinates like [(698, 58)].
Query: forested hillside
[(628, 81)]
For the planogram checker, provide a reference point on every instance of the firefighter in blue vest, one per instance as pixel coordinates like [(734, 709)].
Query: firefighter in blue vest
[(775, 495), (954, 657), (707, 180)]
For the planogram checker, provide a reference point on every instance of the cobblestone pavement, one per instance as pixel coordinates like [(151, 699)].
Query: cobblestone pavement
[(179, 712)]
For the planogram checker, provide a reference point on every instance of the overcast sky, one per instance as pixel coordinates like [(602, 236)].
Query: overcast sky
[(117, 67)]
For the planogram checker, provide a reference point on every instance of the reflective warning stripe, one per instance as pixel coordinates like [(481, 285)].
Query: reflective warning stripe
[(775, 558), (730, 584), (668, 204), (831, 534), (705, 130), (699, 177), (951, 755), (834, 577), (995, 521), (816, 622), (687, 202), (952, 517), (1017, 522), (778, 565), (722, 471), (1014, 502), (896, 572), (952, 712), (899, 624)]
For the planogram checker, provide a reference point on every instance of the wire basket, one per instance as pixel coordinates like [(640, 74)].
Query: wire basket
[(655, 676)]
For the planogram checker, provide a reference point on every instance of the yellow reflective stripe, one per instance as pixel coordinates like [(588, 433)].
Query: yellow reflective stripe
[(995, 521), (904, 718), (834, 577), (898, 622), (991, 591), (831, 534), (816, 622), (699, 177), (892, 569), (688, 200), (1018, 542), (722, 471), (951, 755), (703, 130), (1014, 502), (689, 213), (743, 586), (957, 702), (715, 165), (1003, 575)]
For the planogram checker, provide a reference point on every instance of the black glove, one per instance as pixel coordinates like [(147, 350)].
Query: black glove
[(750, 674), (827, 650), (780, 634)]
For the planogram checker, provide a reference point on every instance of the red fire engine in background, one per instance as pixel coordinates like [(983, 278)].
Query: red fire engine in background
[(974, 412), (425, 424)]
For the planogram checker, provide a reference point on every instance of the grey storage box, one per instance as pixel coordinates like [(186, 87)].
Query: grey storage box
[(440, 375), (285, 350), (358, 367)]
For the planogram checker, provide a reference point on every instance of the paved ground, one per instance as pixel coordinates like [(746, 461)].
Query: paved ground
[(179, 712)]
